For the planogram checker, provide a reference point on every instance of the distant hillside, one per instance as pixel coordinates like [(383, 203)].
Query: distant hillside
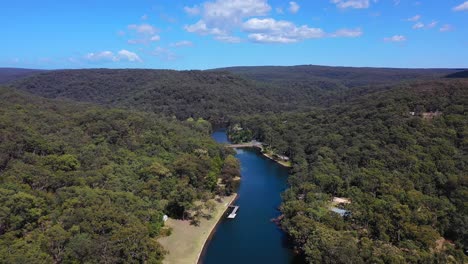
[(217, 95), (461, 74), (11, 74), (348, 76), (209, 94)]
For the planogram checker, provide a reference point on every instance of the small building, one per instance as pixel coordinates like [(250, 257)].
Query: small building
[(340, 200)]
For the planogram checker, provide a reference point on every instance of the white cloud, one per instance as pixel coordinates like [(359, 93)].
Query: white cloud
[(396, 38), (220, 17), (192, 10), (102, 56), (183, 43), (145, 40), (128, 56), (418, 25), (432, 24), (348, 33), (279, 10), (155, 38), (143, 34), (228, 39), (293, 7), (144, 17), (462, 7), (414, 19), (201, 28), (109, 56), (146, 29), (358, 4), (269, 30), (446, 28)]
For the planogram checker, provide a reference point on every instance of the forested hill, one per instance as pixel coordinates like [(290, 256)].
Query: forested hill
[(303, 75), (180, 93), (215, 95), (86, 184), (399, 155), (11, 74)]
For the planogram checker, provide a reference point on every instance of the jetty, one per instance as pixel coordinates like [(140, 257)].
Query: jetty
[(233, 214), (253, 144)]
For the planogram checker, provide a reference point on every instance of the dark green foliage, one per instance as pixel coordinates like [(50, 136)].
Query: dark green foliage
[(11, 74), (80, 183), (90, 184), (325, 77), (460, 74), (405, 174), (211, 95)]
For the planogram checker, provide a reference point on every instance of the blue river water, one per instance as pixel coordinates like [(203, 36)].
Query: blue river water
[(251, 237)]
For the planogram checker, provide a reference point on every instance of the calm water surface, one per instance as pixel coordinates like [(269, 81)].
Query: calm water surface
[(251, 237)]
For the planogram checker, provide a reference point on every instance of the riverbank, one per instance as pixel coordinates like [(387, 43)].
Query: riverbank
[(259, 146), (186, 242), (286, 164)]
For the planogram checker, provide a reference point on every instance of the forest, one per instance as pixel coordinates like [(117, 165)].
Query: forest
[(399, 155), (86, 184), (87, 173)]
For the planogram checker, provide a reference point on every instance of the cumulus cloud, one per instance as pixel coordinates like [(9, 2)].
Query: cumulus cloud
[(228, 39), (462, 7), (357, 4), (219, 17), (414, 19), (128, 56), (446, 28), (192, 10), (182, 43), (396, 38), (102, 56), (418, 25), (432, 24), (109, 56), (222, 18), (146, 29), (143, 34), (269, 30), (294, 7), (347, 33)]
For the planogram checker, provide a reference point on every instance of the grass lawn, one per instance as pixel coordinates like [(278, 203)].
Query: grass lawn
[(186, 242)]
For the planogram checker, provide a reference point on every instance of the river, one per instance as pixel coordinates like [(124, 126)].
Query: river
[(251, 237)]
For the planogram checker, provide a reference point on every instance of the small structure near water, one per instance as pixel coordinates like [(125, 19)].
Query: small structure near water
[(233, 214), (337, 201)]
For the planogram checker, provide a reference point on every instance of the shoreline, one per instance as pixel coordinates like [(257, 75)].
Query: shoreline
[(281, 163), (187, 243), (213, 230)]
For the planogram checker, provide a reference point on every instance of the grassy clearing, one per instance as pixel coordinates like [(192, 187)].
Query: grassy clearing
[(186, 242)]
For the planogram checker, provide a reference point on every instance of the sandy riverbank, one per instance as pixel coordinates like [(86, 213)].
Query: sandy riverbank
[(186, 242), (286, 164)]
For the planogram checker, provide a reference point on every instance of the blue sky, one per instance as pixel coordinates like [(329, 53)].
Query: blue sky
[(200, 34)]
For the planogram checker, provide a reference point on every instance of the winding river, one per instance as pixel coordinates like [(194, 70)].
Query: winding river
[(251, 237)]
